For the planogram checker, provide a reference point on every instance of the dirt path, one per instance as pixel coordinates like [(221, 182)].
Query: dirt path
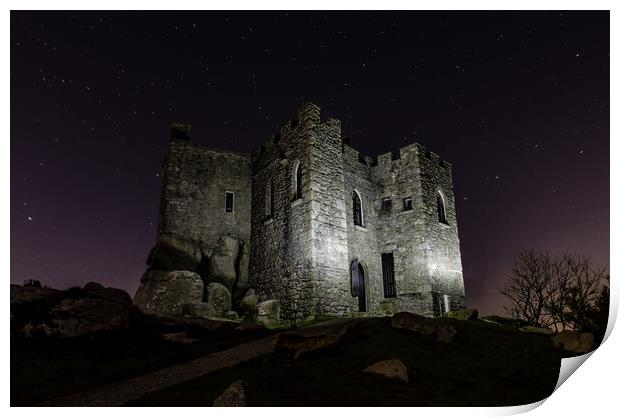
[(119, 393)]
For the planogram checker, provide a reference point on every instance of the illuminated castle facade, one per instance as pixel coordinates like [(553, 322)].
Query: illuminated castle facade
[(319, 227)]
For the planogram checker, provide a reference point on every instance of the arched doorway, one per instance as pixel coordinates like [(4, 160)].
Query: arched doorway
[(358, 284)]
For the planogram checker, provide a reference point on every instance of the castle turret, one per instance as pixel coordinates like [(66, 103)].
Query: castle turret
[(417, 231)]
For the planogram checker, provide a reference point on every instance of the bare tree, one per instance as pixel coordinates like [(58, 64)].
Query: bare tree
[(553, 292), (583, 292), (527, 290), (559, 292)]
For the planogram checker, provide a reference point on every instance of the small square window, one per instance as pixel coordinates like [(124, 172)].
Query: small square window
[(407, 204), (386, 204), (230, 201)]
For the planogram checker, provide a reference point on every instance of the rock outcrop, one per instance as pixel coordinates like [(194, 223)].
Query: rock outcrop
[(219, 298), (233, 396), (179, 280), (175, 253), (390, 368), (179, 337), (222, 267), (537, 330), (321, 338), (248, 304), (23, 294), (165, 292), (108, 293), (204, 310), (504, 321), (268, 313), (576, 342), (430, 327), (76, 312), (79, 316), (466, 314)]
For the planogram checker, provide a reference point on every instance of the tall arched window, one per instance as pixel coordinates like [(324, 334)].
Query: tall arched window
[(297, 181), (358, 284), (441, 211), (358, 214)]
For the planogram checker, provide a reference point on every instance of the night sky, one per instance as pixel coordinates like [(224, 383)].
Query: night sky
[(518, 102)]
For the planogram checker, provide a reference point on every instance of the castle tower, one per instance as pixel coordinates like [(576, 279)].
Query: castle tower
[(298, 230), (417, 233), (444, 270)]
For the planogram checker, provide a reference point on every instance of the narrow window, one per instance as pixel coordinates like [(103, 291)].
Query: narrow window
[(358, 215), (407, 204), (230, 201), (386, 204), (268, 200), (446, 303), (297, 181), (358, 284), (441, 212), (389, 284)]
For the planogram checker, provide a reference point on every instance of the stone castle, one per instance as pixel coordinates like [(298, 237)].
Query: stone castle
[(307, 221)]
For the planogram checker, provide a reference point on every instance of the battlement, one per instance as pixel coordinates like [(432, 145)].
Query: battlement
[(334, 215), (308, 118), (406, 153)]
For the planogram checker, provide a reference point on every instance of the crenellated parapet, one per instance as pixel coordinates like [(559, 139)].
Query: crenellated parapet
[(306, 206)]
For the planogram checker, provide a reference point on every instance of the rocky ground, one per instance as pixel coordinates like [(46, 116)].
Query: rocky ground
[(92, 346), (71, 340), (187, 278), (410, 361)]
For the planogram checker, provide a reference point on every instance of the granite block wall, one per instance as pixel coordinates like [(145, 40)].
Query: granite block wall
[(302, 247), (193, 196)]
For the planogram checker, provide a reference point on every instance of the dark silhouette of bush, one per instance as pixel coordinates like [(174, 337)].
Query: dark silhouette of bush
[(32, 283)]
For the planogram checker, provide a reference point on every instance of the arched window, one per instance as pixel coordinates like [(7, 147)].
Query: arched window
[(358, 213), (268, 200), (296, 181), (441, 212)]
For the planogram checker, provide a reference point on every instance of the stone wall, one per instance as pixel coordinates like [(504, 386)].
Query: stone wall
[(281, 263), (298, 255), (403, 232), (445, 271), (301, 249), (362, 240), (202, 249), (195, 181), (426, 252), (328, 234)]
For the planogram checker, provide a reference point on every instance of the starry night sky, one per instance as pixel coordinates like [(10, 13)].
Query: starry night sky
[(518, 102)]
